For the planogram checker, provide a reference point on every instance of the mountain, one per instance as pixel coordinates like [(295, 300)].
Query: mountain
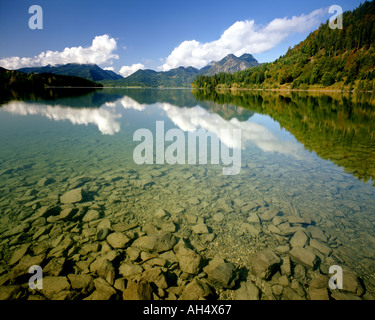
[(328, 58), (230, 64), (88, 71), (178, 77), (181, 76)]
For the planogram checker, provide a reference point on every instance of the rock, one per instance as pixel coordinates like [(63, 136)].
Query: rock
[(44, 182), (24, 264), (156, 276), (157, 241), (72, 196), (67, 213), (283, 281), (298, 220), (278, 220), (247, 291), (117, 240), (168, 227), (81, 281), (299, 272), (320, 247), (317, 233), (269, 214), (282, 249), (285, 267), (54, 267), (188, 259), (102, 234), (53, 285), (290, 294), (344, 296), (104, 224), (351, 284), (319, 294), (130, 269), (249, 228), (160, 213), (253, 218), (19, 253), (196, 290), (141, 290), (91, 215), (221, 274), (104, 291), (200, 228), (277, 289), (218, 217), (133, 253), (122, 227), (9, 292), (319, 281), (299, 239), (306, 257), (264, 263), (104, 268)]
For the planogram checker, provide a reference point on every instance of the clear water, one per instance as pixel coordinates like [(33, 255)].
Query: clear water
[(91, 137)]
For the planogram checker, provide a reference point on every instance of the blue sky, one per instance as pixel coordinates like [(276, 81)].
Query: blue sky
[(157, 34)]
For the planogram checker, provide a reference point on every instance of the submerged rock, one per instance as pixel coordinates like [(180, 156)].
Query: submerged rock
[(264, 263), (141, 290), (72, 196), (306, 257), (247, 291), (188, 259), (221, 274)]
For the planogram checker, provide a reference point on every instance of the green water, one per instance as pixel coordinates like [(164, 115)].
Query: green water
[(309, 156)]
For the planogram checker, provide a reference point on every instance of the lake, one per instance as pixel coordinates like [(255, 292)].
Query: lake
[(301, 201)]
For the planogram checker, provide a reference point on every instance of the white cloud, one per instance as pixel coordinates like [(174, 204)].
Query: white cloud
[(242, 37), (109, 68), (126, 71), (100, 51)]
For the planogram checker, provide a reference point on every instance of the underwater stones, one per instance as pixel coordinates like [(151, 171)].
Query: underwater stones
[(91, 215), (155, 276), (320, 247), (351, 283), (72, 196), (218, 217), (221, 274), (249, 228), (253, 218), (247, 291), (264, 263), (25, 263), (102, 234), (160, 213), (104, 291), (54, 267), (156, 241), (299, 239), (54, 285), (10, 292), (200, 228), (196, 290), (44, 182), (305, 257), (138, 290), (80, 281), (67, 213), (269, 214), (317, 233), (19, 253), (319, 294), (117, 240), (130, 269), (298, 220), (188, 259)]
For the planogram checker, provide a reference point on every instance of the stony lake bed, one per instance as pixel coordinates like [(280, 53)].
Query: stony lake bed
[(103, 230)]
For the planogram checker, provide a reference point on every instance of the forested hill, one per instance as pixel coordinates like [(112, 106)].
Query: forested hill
[(327, 58), (11, 79)]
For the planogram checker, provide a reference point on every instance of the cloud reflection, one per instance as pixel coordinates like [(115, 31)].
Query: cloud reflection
[(103, 118)]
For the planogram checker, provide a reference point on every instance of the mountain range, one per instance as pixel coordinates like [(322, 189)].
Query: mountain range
[(87, 71), (177, 77)]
